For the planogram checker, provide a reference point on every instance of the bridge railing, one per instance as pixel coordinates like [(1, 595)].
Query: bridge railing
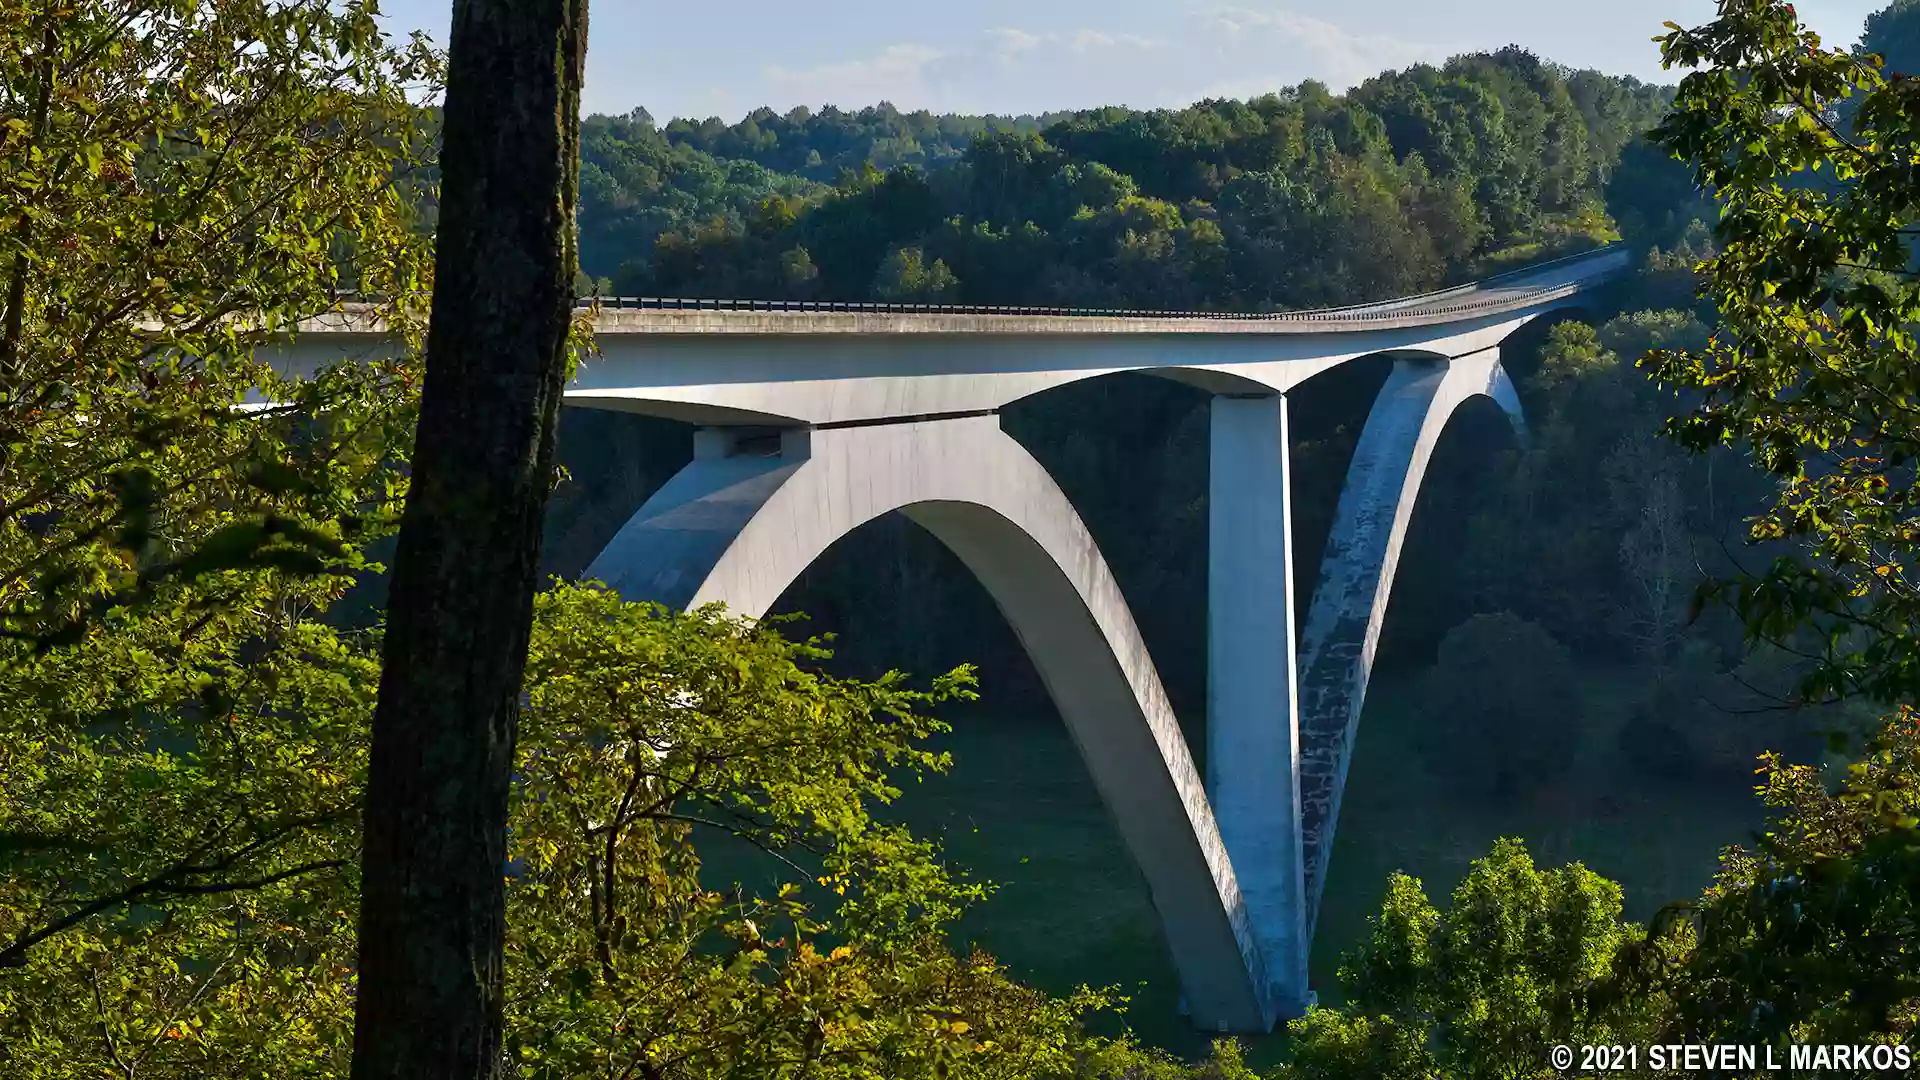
[(1399, 302), (1397, 308), (1422, 304)]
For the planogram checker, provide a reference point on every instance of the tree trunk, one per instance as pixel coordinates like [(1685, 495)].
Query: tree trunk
[(432, 916)]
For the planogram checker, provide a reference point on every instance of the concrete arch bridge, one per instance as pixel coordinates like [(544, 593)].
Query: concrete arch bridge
[(815, 419)]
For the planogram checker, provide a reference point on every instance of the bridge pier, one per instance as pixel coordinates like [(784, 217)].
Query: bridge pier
[(1342, 627), (1253, 739)]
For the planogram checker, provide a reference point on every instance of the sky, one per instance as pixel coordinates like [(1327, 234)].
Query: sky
[(1034, 56)]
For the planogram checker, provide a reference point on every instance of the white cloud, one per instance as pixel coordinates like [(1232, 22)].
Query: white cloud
[(1222, 51), (1331, 54), (897, 74), (1008, 43)]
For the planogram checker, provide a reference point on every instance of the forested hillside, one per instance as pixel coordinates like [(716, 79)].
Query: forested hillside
[(1301, 197), (638, 181)]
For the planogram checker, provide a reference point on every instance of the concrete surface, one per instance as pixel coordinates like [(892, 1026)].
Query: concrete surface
[(1253, 741), (1342, 628)]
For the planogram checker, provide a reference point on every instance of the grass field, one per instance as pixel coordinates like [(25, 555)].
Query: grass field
[(1019, 810)]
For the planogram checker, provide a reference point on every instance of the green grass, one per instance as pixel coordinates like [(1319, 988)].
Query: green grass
[(1661, 842), (1019, 810)]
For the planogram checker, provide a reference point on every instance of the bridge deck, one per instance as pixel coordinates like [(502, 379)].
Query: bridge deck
[(1525, 288), (763, 363)]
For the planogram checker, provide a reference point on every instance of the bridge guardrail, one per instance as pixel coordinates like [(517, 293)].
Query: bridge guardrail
[(1399, 307), (1401, 311), (1419, 305)]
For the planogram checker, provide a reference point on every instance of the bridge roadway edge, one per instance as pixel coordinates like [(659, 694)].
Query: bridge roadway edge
[(793, 366)]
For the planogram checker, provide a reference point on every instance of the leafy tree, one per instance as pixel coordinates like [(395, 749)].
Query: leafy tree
[(180, 824), (798, 271), (183, 186), (192, 183), (636, 184), (659, 752), (819, 144), (1804, 936), (432, 914), (1812, 367), (1604, 548), (647, 729), (181, 197), (1653, 199), (1893, 33), (1801, 938), (1522, 960), (905, 275), (1503, 706)]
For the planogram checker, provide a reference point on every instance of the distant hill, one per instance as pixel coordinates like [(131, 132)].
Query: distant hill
[(1301, 197)]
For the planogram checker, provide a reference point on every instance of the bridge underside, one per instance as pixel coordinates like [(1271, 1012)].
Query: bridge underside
[(1236, 864)]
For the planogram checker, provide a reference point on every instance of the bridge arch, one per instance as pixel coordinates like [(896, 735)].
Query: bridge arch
[(737, 529), (1341, 630)]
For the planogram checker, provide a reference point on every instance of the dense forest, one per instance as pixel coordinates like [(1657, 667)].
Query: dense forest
[(1301, 197), (735, 849)]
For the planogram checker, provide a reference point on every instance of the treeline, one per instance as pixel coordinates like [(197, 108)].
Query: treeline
[(639, 181), (1297, 198), (819, 145)]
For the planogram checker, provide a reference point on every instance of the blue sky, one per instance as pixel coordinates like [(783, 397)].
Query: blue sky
[(1009, 56)]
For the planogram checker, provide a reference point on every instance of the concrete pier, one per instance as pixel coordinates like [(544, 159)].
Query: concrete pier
[(1253, 740)]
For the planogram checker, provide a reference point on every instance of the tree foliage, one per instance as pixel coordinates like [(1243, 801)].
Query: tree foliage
[(648, 739), (1294, 198), (1521, 960), (1804, 937), (211, 174), (1812, 367), (183, 182), (1504, 709), (1893, 33), (1807, 935), (647, 729), (1811, 153)]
